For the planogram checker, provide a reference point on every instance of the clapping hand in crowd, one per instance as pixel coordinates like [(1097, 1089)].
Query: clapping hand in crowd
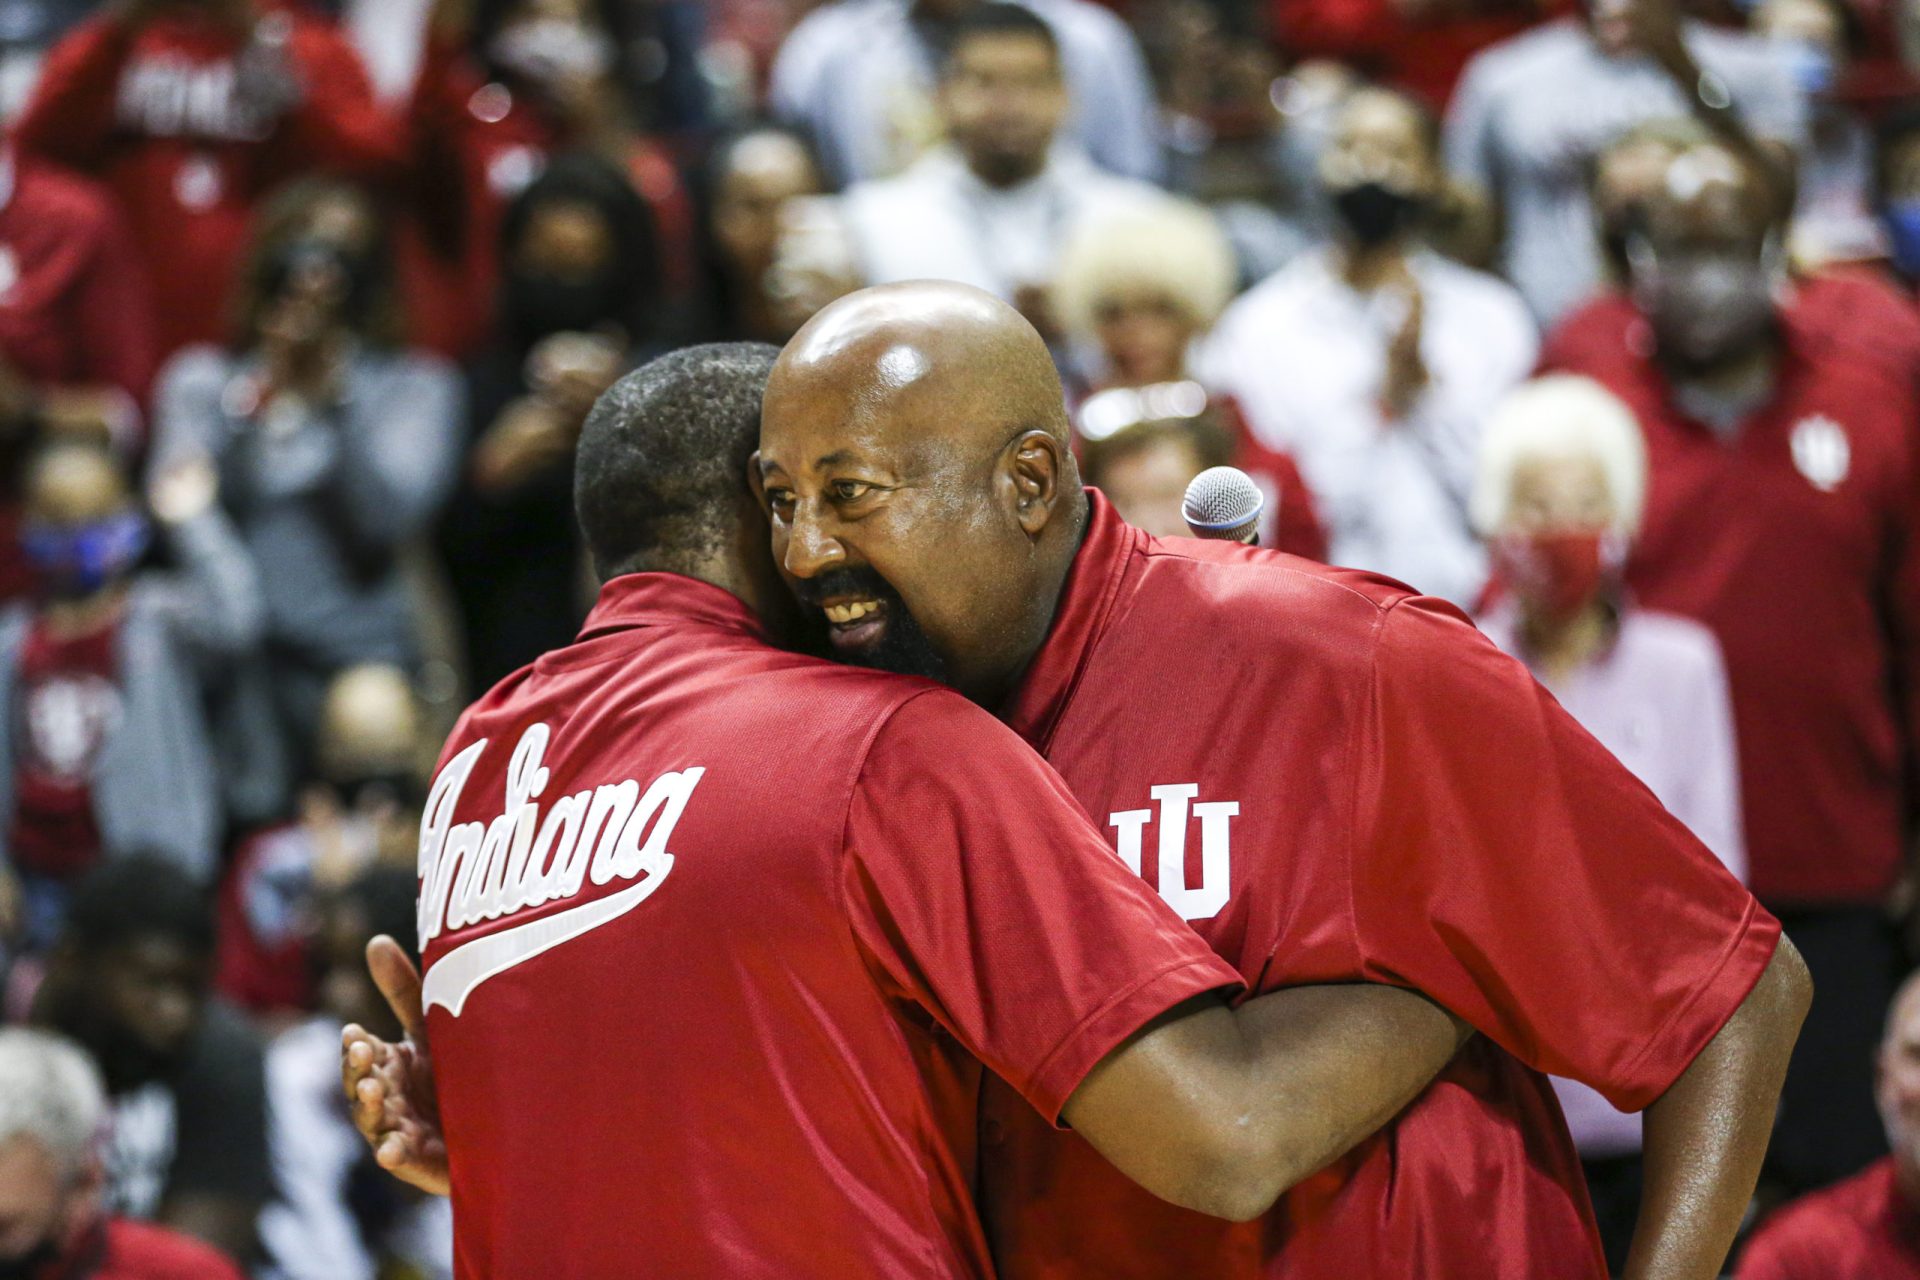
[(568, 372), (1405, 375)]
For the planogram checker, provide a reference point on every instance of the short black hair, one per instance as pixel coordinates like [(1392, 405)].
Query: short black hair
[(997, 18), (662, 462), (139, 896)]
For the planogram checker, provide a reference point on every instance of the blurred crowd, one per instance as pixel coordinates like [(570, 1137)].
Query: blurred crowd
[(1592, 317)]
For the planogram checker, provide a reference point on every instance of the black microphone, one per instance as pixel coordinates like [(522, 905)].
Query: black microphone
[(1224, 503)]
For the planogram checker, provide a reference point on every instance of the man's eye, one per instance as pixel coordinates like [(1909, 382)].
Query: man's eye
[(850, 490), (780, 499)]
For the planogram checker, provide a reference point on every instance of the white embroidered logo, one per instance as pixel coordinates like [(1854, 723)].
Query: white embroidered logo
[(477, 871), (1175, 800), (1821, 452)]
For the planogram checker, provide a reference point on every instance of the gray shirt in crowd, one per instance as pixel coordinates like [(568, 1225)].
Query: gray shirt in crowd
[(859, 77), (1533, 112), (323, 494)]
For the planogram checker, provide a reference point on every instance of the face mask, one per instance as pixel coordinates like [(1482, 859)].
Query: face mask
[(551, 50), (1811, 66), (1704, 309), (1375, 212), (537, 306), (1902, 219), (34, 1264), (75, 561), (1558, 573), (297, 258)]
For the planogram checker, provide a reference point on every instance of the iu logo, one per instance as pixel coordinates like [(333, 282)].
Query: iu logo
[(1177, 801)]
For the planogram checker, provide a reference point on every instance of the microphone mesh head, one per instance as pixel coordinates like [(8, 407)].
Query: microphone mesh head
[(1223, 498)]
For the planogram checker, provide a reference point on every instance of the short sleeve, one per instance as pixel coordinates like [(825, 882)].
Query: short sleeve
[(1511, 869), (983, 893)]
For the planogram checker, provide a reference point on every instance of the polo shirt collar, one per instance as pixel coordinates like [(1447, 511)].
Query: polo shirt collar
[(1086, 604), (669, 600)]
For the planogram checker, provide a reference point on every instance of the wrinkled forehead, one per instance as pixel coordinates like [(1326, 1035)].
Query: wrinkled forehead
[(884, 401)]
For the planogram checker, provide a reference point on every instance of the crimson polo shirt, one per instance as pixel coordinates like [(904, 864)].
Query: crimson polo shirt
[(1860, 1229), (717, 938), (1794, 541), (1336, 780)]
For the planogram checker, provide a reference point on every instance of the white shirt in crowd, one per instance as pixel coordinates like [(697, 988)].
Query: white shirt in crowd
[(1305, 356), (937, 221), (1658, 700), (860, 79), (1533, 112), (307, 1230)]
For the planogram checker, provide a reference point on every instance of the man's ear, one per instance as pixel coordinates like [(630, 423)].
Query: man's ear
[(1034, 467), (755, 483)]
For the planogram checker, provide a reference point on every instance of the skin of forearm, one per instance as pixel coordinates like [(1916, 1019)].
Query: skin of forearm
[(1706, 1136)]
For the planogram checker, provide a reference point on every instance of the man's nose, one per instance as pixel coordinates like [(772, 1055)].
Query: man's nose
[(811, 547)]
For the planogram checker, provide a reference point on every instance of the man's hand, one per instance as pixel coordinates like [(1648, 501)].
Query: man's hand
[(1406, 370), (390, 1086)]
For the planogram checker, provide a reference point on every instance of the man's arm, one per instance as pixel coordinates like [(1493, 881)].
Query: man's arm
[(1706, 1135), (1222, 1110)]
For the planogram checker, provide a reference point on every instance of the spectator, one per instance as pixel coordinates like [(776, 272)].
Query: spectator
[(858, 76), (505, 86), (1136, 290), (1832, 220), (994, 209), (1897, 189), (1533, 112), (1780, 515), (103, 674), (76, 328), (1559, 492), (1417, 46), (1627, 175), (577, 288), (1373, 361), (360, 807), (1868, 1227), (52, 1225), (192, 111), (337, 1215), (335, 445), (752, 178), (129, 981)]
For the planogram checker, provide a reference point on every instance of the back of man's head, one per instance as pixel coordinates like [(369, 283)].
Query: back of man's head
[(660, 478), (50, 1096)]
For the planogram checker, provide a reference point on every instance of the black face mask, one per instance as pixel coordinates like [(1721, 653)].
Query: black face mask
[(903, 648), (1374, 212), (31, 1265), (297, 257), (538, 306)]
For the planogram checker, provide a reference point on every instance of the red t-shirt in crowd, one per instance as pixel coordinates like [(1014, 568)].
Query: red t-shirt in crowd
[(66, 705), (1794, 541), (1332, 779), (787, 910), (122, 1249), (1860, 1229), (155, 112)]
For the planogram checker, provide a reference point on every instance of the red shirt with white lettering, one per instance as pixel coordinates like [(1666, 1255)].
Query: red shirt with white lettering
[(795, 907), (1794, 540), (1860, 1229), (1353, 784), (154, 112), (66, 704)]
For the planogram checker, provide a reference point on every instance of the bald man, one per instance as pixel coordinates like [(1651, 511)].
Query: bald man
[(1330, 779), (718, 944)]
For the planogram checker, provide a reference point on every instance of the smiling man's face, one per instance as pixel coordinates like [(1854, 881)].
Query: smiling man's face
[(909, 493)]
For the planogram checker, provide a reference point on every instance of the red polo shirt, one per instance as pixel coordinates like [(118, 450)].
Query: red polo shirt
[(782, 912), (1794, 541), (1351, 783), (1861, 1229)]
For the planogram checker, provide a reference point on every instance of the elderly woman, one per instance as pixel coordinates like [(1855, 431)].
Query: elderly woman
[(1135, 292), (1561, 479)]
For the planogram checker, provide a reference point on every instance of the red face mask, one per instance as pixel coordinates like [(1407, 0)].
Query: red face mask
[(1557, 573)]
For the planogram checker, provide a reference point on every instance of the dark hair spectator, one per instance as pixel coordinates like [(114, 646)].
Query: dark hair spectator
[(129, 981), (334, 447), (748, 183)]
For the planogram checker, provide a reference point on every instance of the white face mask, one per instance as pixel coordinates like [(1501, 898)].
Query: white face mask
[(553, 49)]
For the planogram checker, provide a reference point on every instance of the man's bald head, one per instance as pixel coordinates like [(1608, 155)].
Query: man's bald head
[(914, 449)]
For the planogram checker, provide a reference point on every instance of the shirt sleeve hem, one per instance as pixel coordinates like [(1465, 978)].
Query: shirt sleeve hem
[(1053, 1081), (1660, 1062)]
